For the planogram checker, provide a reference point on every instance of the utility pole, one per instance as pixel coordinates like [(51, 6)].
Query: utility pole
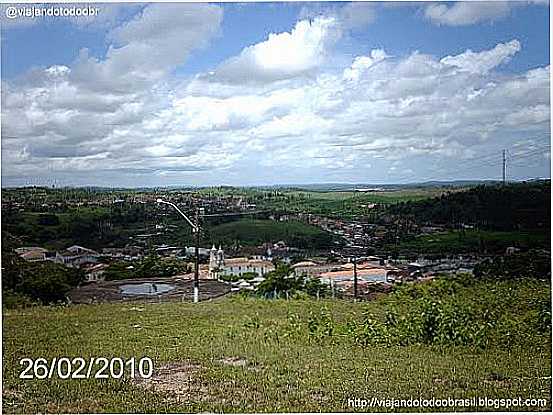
[(354, 279), (195, 229), (197, 255), (504, 165)]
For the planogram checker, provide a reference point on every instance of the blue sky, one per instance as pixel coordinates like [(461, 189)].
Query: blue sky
[(269, 93)]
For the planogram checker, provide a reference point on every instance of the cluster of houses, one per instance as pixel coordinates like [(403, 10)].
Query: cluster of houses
[(74, 257), (371, 270), (341, 276), (77, 256), (246, 272)]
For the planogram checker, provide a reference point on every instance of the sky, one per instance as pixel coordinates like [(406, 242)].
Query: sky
[(209, 94)]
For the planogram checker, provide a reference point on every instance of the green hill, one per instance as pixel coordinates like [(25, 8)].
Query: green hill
[(494, 207), (258, 231)]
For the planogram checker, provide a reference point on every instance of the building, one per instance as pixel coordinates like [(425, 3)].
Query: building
[(312, 269), (127, 253), (75, 256), (372, 270), (220, 266), (365, 275), (32, 253), (95, 272)]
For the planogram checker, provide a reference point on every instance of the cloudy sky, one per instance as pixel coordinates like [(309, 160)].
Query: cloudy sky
[(276, 93)]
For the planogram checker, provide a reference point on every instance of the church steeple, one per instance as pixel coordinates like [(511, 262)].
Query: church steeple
[(220, 257)]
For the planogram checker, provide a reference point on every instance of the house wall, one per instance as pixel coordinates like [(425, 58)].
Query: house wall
[(243, 269)]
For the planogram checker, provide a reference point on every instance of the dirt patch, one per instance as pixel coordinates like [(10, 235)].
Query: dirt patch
[(177, 379), (234, 361)]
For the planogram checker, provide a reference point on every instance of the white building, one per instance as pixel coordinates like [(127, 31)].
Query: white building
[(219, 265)]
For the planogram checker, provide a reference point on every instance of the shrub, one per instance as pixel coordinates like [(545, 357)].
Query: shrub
[(320, 324)]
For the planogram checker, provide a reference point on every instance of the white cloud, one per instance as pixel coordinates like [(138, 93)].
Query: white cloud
[(467, 12), (349, 16), (483, 62), (362, 63), (127, 120), (357, 15), (283, 55), (149, 46)]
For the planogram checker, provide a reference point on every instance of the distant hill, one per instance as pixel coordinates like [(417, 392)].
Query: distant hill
[(509, 207)]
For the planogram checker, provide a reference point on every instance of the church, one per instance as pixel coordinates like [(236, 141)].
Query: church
[(220, 266)]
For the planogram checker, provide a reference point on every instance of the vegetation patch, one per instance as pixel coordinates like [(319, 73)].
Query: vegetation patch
[(306, 355)]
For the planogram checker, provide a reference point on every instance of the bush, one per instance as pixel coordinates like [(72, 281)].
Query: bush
[(48, 219), (118, 271), (435, 313), (247, 276), (320, 324)]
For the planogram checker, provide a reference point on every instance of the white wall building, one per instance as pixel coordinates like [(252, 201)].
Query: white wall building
[(219, 265)]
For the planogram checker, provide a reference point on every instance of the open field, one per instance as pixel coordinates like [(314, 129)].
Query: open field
[(402, 195), (344, 203), (248, 355)]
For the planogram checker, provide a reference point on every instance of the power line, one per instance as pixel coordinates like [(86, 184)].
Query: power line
[(485, 160)]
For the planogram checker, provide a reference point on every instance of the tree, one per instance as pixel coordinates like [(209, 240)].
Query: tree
[(117, 271), (44, 281), (283, 281)]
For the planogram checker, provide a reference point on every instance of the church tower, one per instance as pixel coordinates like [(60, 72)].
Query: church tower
[(213, 263), (220, 258)]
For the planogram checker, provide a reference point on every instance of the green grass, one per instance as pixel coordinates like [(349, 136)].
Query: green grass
[(287, 369)]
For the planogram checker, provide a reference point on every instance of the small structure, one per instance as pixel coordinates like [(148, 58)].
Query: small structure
[(244, 285), (95, 272)]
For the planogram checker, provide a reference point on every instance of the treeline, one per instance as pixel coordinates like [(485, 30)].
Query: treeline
[(91, 227), (493, 207)]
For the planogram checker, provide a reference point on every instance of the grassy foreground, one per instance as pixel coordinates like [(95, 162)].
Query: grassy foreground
[(248, 355)]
